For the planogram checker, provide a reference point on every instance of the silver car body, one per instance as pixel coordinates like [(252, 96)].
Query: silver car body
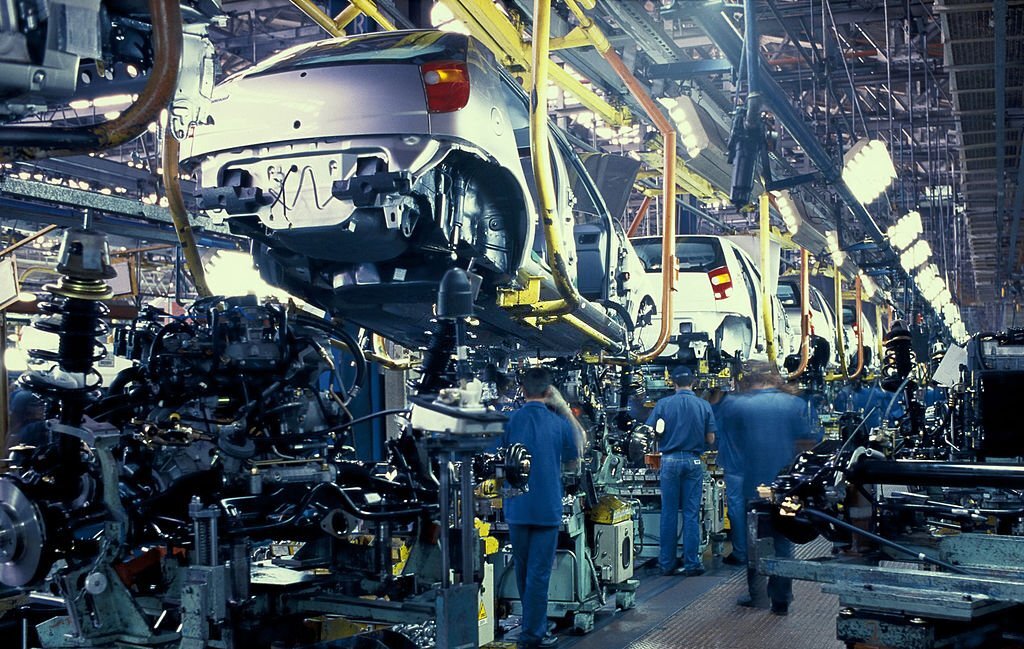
[(444, 188)]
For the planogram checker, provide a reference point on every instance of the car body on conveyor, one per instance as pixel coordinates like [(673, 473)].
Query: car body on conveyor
[(364, 167), (822, 320), (718, 306), (869, 340)]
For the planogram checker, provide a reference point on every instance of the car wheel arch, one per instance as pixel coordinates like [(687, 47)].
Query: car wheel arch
[(496, 184)]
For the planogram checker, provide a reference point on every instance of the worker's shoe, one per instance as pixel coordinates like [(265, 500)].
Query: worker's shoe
[(693, 572), (674, 572), (549, 640), (780, 608), (732, 560)]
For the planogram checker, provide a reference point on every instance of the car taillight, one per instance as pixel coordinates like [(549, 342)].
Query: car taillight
[(721, 282), (446, 84)]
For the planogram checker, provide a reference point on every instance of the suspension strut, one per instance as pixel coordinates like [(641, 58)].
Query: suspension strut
[(897, 366), (436, 370), (899, 358), (74, 314)]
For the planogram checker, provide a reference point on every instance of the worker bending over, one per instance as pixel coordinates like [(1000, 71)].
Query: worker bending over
[(534, 517)]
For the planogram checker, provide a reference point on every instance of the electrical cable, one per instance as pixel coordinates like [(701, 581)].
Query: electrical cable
[(822, 516), (849, 77), (365, 418), (353, 346), (895, 396)]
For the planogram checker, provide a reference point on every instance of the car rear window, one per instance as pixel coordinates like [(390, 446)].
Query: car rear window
[(788, 295), (847, 315), (415, 47), (694, 255)]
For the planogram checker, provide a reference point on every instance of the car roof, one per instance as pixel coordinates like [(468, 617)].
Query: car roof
[(376, 42)]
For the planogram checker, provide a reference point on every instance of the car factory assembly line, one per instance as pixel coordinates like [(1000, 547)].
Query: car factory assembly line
[(272, 273)]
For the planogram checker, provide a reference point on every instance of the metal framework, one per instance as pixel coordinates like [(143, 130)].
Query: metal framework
[(940, 81)]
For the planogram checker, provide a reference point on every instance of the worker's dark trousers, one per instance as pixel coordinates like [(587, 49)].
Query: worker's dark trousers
[(779, 589), (737, 514), (533, 555)]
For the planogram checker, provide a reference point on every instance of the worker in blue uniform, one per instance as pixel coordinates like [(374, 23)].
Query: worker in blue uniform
[(732, 469), (26, 424), (871, 401), (534, 517), (686, 425), (767, 423)]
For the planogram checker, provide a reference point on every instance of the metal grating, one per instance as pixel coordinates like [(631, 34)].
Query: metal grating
[(715, 622)]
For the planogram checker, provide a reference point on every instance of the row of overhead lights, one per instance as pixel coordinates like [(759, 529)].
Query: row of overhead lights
[(148, 199), (684, 113), (868, 171), (915, 258)]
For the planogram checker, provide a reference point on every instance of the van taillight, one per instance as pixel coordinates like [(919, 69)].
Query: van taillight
[(446, 84), (721, 282)]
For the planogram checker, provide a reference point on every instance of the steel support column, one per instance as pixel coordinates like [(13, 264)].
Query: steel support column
[(1015, 213), (999, 70)]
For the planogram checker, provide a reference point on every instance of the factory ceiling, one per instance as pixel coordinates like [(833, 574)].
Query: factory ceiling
[(941, 83), (920, 75)]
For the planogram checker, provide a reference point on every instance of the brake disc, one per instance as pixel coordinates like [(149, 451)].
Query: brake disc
[(22, 536)]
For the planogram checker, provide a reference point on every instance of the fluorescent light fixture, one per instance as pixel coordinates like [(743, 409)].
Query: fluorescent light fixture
[(111, 100), (931, 292), (868, 169), (15, 359), (683, 111), (927, 276), (832, 241), (950, 313), (788, 209), (868, 287), (79, 104), (905, 231), (916, 256), (959, 332), (929, 283)]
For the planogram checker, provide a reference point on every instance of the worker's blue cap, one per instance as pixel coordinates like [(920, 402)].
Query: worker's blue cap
[(682, 374)]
